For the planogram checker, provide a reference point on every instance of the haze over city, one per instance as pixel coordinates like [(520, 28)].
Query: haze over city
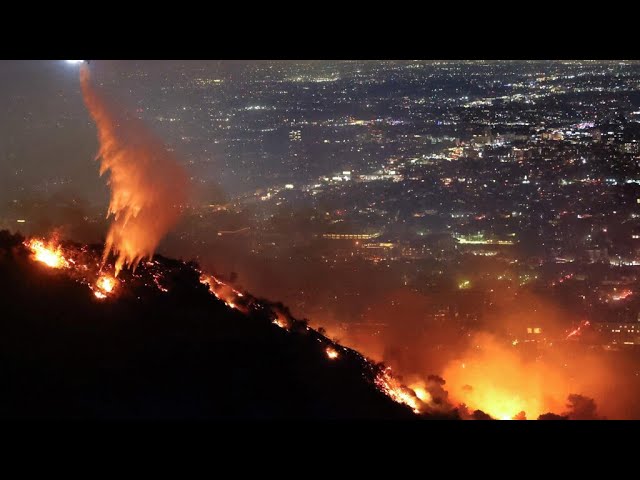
[(471, 228)]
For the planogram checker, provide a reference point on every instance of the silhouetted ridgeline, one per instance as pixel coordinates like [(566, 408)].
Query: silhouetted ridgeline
[(149, 354)]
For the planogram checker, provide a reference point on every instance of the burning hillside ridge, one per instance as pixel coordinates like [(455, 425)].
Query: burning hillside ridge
[(77, 262), (84, 265), (492, 369), (148, 190), (428, 396)]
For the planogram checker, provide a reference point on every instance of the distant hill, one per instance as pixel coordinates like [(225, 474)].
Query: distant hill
[(147, 353)]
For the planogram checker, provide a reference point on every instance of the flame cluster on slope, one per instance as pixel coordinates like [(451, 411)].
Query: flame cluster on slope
[(76, 262), (494, 397), (48, 253), (332, 353), (383, 378), (83, 266), (230, 296), (388, 384), (104, 286)]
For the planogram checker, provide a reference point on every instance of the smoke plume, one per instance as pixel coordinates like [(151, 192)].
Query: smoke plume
[(148, 186)]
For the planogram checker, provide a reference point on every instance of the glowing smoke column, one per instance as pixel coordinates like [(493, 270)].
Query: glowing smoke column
[(147, 184)]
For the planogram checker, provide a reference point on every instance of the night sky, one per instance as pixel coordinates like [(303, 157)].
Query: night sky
[(47, 134)]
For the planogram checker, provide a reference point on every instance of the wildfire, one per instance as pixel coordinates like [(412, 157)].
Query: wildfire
[(396, 391), (49, 254), (281, 322), (229, 295), (421, 392), (332, 353), (105, 285), (148, 185), (578, 330), (384, 381), (499, 388), (73, 260), (490, 378)]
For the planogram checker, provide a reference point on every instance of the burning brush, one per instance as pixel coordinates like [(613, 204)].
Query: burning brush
[(148, 185), (86, 269)]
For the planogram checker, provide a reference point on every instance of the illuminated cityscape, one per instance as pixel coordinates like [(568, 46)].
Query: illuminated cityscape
[(364, 193)]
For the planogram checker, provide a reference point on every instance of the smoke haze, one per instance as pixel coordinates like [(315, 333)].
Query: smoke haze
[(148, 186)]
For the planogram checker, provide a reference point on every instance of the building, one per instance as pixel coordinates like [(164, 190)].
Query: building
[(619, 333), (350, 236)]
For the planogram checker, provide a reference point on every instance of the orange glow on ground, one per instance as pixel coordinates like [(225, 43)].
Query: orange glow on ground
[(105, 285), (421, 393), (332, 353), (493, 377), (281, 321), (49, 254), (398, 392)]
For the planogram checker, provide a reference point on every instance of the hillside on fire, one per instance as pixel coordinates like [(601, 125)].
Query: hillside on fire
[(162, 346)]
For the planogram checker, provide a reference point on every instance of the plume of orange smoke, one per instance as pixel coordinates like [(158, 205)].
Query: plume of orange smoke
[(493, 376), (148, 186)]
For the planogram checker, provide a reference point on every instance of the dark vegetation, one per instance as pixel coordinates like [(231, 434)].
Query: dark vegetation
[(148, 354)]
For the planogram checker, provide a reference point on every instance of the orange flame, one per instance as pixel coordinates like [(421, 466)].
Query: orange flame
[(147, 184), (281, 322), (49, 254), (105, 285), (490, 376), (332, 353), (421, 392), (398, 392)]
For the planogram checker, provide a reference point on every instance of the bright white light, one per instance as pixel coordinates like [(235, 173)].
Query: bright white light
[(74, 61)]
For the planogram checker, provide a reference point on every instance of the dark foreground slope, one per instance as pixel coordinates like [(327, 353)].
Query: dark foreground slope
[(150, 354)]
